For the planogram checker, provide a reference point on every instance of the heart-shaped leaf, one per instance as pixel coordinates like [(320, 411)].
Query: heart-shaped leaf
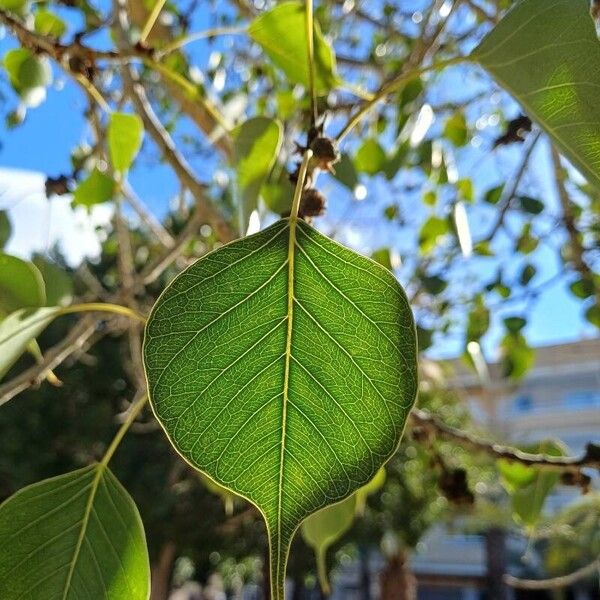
[(74, 536), (283, 365), (546, 54)]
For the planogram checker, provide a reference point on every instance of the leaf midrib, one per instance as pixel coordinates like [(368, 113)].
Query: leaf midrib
[(292, 224)]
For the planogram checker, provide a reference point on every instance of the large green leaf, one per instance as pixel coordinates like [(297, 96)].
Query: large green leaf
[(21, 285), (546, 53), (256, 145), (125, 134), (281, 32), (530, 486), (283, 365), (324, 528), (19, 330), (74, 536)]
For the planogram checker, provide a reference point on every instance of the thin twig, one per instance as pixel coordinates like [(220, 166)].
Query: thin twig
[(393, 86), (155, 269), (508, 194), (554, 582), (568, 217), (35, 375), (591, 458), (162, 235)]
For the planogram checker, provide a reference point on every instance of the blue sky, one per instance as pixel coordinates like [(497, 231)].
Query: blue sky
[(43, 142)]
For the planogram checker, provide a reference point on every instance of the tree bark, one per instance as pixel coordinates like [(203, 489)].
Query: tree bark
[(161, 572), (397, 581)]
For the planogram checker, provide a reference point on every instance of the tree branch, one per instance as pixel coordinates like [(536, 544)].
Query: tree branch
[(35, 375), (590, 458), (554, 582), (578, 252)]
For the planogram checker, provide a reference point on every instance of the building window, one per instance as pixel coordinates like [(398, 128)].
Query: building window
[(582, 399), (522, 404)]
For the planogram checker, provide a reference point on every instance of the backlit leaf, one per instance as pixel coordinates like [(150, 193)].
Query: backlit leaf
[(546, 54), (529, 486), (455, 129), (324, 528), (47, 23), (74, 536), (125, 134), (281, 32), (256, 145), (18, 330), (95, 189), (5, 228), (370, 157), (283, 365), (21, 285), (58, 283)]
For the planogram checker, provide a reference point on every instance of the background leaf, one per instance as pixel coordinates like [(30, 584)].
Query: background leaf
[(21, 285), (58, 283), (18, 329), (324, 528), (254, 311), (256, 145), (47, 23), (5, 228), (74, 536), (125, 134), (281, 32), (530, 486), (95, 189), (546, 54)]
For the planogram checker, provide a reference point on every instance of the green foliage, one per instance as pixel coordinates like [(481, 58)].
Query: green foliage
[(21, 285), (370, 157), (47, 23), (256, 145), (95, 189), (323, 528), (57, 282), (345, 172), (5, 228), (517, 356), (125, 135), (281, 32), (455, 129), (432, 230), (18, 330), (73, 536), (530, 486), (552, 72), (283, 405), (28, 74)]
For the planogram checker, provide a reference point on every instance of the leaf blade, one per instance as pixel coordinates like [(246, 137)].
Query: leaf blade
[(236, 307), (69, 517), (558, 87)]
